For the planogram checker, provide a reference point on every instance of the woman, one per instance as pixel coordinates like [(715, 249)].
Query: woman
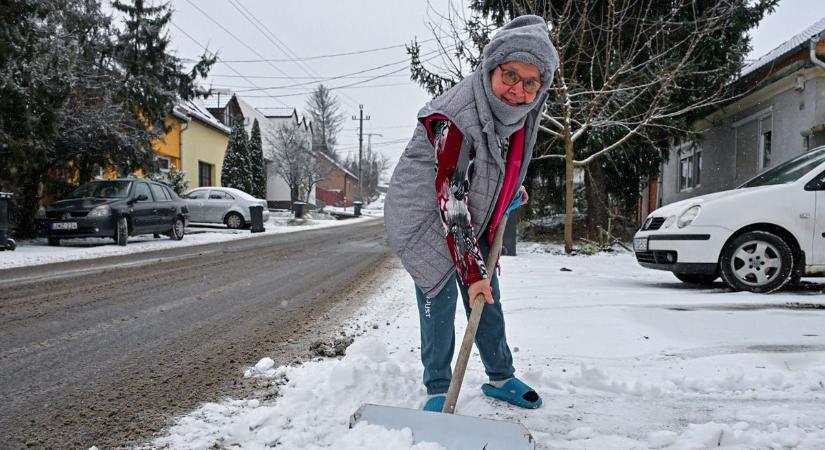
[(464, 164)]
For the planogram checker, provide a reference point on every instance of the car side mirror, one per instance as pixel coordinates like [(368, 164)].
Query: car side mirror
[(139, 198)]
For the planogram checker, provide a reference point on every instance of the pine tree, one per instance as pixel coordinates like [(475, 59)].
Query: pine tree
[(257, 165), (235, 172)]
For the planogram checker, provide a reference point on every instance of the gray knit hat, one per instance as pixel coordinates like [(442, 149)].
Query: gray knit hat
[(526, 39)]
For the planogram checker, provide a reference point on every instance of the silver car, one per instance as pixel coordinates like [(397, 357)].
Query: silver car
[(222, 205)]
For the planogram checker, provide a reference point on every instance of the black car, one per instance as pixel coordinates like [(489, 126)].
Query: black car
[(117, 209)]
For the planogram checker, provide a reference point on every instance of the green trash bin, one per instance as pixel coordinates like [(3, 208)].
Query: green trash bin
[(6, 242), (256, 213), (357, 205), (298, 209)]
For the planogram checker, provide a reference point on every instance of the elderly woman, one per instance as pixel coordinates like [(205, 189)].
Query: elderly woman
[(464, 164)]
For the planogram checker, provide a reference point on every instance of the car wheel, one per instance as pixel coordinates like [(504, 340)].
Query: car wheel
[(757, 261), (54, 242), (122, 231), (178, 229), (234, 220), (696, 278), (11, 245)]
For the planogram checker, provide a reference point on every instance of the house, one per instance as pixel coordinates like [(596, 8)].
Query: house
[(203, 142), (339, 186), (279, 117), (778, 114)]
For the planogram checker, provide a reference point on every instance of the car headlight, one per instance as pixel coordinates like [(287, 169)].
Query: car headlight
[(688, 216), (100, 211), (669, 222)]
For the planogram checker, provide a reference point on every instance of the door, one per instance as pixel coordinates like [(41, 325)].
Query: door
[(195, 202), (818, 256), (143, 211), (164, 209), (217, 205)]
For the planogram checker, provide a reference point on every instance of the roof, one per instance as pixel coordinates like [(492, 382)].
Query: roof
[(195, 109), (784, 49), (337, 164), (218, 99)]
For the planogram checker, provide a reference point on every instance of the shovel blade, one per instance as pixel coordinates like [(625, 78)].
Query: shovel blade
[(448, 430)]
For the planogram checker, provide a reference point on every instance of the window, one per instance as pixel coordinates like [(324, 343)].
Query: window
[(159, 193), (220, 195), (170, 193), (205, 171), (163, 163), (196, 195), (765, 135), (690, 166), (143, 189)]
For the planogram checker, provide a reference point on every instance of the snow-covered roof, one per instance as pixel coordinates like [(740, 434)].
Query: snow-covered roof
[(788, 46), (218, 99), (195, 109), (337, 164)]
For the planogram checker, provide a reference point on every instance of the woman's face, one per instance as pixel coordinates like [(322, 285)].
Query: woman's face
[(514, 95)]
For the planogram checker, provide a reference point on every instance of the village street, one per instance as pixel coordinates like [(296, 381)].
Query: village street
[(106, 352)]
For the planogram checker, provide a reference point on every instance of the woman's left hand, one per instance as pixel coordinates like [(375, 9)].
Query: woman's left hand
[(523, 191)]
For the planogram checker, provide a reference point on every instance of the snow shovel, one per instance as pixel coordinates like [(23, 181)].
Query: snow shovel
[(447, 429)]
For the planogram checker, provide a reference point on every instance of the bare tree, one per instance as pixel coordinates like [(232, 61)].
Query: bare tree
[(294, 160), (632, 74)]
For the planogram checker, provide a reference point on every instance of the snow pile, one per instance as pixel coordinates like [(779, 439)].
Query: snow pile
[(625, 358)]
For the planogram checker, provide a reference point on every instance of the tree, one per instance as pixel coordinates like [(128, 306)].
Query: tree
[(235, 172), (293, 159), (324, 109), (257, 165), (174, 178), (373, 165), (634, 75)]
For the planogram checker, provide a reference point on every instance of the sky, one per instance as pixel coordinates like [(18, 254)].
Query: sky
[(301, 36)]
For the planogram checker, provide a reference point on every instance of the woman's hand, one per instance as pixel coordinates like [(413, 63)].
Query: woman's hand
[(523, 191), (481, 287)]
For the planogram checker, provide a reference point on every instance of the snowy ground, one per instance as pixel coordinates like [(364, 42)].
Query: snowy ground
[(37, 251), (625, 358)]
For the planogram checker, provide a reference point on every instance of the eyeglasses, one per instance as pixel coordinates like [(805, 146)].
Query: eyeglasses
[(512, 78)]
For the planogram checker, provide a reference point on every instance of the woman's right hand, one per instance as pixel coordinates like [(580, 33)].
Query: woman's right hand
[(481, 287)]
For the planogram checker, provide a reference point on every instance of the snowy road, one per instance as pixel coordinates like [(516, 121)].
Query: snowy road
[(108, 355)]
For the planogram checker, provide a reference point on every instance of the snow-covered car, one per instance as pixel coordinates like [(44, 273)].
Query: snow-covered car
[(222, 205), (757, 237)]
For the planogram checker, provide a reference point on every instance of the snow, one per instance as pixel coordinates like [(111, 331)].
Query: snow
[(37, 251), (624, 357)]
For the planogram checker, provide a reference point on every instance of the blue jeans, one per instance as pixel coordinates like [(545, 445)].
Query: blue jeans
[(437, 321)]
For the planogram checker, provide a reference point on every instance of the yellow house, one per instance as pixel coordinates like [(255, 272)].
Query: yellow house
[(202, 142), (168, 150)]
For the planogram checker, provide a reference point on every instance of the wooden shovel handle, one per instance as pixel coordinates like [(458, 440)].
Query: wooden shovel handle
[(472, 324)]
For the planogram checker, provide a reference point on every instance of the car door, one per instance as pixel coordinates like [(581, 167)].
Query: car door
[(195, 201), (164, 209), (217, 205), (818, 251), (143, 211)]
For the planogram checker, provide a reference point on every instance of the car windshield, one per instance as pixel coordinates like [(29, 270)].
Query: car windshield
[(789, 171), (102, 189)]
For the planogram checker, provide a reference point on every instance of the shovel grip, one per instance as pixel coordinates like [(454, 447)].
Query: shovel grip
[(472, 326)]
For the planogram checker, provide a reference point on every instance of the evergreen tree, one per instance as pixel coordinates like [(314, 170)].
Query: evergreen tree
[(327, 119), (235, 172), (174, 178), (257, 164)]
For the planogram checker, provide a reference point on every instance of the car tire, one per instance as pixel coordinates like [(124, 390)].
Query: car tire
[(757, 261), (122, 232), (11, 245), (178, 229), (696, 278), (54, 242), (234, 220)]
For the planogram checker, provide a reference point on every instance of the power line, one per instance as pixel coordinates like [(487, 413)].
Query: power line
[(230, 67)]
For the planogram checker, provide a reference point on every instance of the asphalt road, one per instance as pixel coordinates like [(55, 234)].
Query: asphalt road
[(106, 352)]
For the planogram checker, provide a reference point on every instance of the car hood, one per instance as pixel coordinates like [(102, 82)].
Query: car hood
[(80, 204), (715, 198)]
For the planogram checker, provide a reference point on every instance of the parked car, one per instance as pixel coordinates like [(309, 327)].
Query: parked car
[(757, 237), (117, 209), (222, 205)]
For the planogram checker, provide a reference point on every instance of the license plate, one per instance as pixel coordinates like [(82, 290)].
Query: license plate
[(640, 244), (64, 226)]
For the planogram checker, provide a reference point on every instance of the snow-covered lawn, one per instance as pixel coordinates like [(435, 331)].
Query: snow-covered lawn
[(37, 251), (625, 358)]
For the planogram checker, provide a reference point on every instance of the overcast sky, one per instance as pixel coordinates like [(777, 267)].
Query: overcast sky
[(310, 31)]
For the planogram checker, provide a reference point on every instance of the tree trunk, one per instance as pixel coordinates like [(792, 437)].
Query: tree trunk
[(568, 199), (596, 194)]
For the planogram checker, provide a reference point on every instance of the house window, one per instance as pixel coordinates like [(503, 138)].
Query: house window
[(163, 163), (205, 171), (765, 135), (690, 166)]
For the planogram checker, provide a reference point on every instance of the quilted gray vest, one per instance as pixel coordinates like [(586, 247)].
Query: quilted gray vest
[(411, 216)]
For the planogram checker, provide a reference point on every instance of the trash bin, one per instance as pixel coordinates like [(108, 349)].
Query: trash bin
[(298, 209), (357, 205), (256, 213), (6, 242)]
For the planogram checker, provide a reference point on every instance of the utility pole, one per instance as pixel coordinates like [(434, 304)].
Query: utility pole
[(360, 118)]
